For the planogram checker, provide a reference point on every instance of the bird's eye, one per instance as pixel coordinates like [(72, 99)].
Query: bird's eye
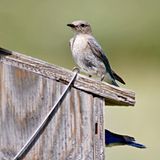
[(83, 25)]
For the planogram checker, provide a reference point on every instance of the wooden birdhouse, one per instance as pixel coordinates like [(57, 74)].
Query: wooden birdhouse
[(29, 88)]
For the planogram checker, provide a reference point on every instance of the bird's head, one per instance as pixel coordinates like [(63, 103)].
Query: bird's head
[(80, 27)]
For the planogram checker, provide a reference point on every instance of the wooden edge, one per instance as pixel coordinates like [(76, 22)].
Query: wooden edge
[(113, 95)]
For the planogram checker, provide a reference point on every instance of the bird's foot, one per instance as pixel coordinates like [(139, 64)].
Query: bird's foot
[(102, 77)]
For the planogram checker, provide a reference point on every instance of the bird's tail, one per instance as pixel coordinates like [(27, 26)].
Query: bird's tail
[(114, 139), (114, 83), (137, 145), (132, 142), (117, 77)]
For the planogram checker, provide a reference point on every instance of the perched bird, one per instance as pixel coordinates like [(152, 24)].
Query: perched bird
[(88, 54), (5, 52), (113, 139)]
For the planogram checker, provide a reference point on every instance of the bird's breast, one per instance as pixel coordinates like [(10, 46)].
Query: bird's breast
[(79, 44)]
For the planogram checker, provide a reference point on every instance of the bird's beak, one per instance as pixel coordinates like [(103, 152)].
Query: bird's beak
[(71, 25)]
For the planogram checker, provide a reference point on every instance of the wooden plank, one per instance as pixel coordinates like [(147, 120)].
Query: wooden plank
[(113, 95), (99, 140), (25, 100)]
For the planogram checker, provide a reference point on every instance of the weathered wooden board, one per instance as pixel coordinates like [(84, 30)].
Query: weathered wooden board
[(75, 132), (113, 95)]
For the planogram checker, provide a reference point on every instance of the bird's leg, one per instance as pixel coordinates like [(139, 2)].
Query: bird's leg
[(102, 77)]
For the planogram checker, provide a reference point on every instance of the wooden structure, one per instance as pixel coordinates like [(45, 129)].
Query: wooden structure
[(30, 87)]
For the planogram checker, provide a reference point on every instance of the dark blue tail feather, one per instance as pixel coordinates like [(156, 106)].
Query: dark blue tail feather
[(137, 145), (113, 139)]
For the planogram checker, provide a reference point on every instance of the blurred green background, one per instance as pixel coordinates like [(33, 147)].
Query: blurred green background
[(128, 30)]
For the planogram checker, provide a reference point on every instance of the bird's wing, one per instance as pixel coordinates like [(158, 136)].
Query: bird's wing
[(118, 78), (113, 139), (97, 51)]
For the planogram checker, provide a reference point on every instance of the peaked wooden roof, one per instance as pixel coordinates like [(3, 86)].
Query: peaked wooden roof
[(112, 95)]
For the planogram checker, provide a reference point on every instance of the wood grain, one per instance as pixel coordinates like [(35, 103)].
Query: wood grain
[(113, 95), (25, 100)]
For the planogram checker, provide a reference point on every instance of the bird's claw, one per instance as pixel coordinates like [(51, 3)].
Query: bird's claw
[(102, 77)]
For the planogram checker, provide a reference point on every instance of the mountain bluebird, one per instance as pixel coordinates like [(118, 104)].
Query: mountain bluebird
[(113, 139), (88, 54)]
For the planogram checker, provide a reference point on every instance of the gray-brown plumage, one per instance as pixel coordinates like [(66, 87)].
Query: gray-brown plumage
[(88, 54)]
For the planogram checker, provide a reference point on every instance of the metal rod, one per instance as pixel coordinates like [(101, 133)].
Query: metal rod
[(28, 145)]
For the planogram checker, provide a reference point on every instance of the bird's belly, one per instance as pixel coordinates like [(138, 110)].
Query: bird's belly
[(89, 63), (85, 59)]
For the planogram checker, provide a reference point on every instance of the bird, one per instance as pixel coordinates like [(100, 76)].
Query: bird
[(88, 54), (113, 139), (5, 52)]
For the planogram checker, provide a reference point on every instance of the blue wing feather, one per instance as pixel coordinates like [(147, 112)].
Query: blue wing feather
[(113, 139)]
